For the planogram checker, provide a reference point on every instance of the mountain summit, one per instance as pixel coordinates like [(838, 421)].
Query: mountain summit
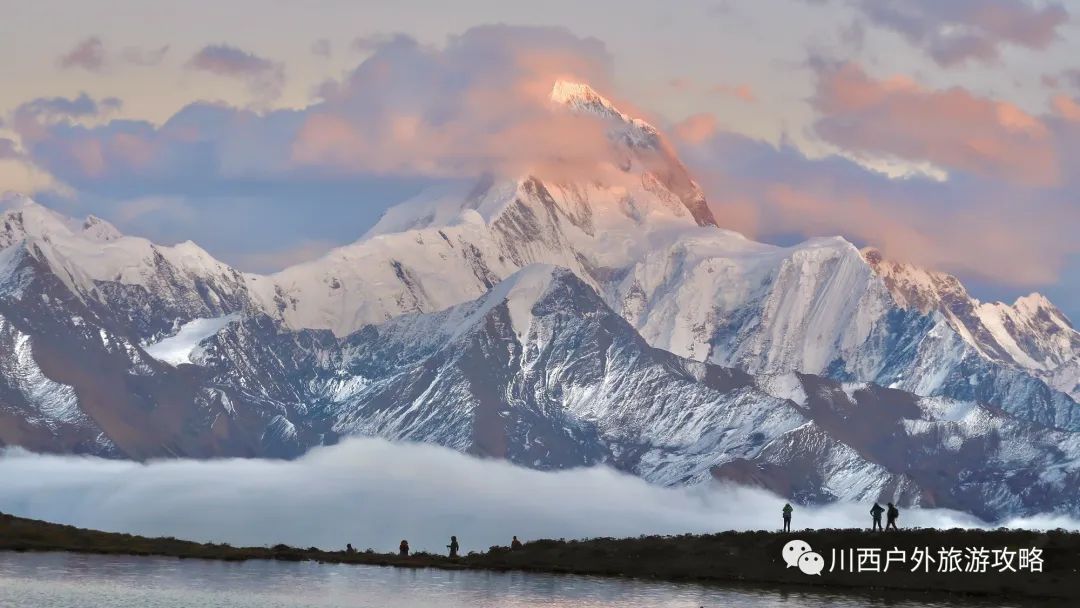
[(640, 143)]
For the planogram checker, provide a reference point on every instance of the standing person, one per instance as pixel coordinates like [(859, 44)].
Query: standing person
[(892, 514), (403, 548), (515, 544), (453, 546), (787, 517), (875, 512)]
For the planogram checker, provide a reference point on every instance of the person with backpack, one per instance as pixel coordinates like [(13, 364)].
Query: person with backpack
[(891, 516), (787, 517)]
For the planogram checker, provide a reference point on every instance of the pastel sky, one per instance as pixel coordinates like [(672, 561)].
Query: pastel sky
[(944, 133)]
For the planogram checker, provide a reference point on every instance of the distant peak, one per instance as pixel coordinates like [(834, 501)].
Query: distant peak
[(582, 97), (1033, 299), (15, 200), (1035, 303), (565, 91), (32, 211), (100, 229)]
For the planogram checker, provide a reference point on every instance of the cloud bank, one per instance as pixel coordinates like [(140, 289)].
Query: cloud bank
[(951, 128), (479, 104), (407, 115), (373, 493), (954, 32), (1004, 213)]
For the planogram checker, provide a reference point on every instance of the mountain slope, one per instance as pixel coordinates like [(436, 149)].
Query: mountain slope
[(1031, 334), (540, 371), (144, 287)]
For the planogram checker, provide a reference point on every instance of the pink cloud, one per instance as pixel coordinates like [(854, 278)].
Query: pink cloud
[(740, 91), (1066, 107), (1011, 233), (479, 104), (952, 128), (696, 129), (955, 31), (997, 245)]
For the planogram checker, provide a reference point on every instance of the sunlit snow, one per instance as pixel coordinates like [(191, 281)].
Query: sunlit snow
[(179, 348)]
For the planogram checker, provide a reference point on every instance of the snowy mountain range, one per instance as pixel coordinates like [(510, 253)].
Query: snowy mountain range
[(553, 323)]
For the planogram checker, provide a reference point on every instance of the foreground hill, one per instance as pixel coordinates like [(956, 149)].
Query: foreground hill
[(727, 558)]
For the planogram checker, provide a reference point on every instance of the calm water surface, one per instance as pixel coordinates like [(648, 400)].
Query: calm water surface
[(62, 580)]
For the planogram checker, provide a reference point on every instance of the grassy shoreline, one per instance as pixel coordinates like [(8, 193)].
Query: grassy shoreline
[(743, 558)]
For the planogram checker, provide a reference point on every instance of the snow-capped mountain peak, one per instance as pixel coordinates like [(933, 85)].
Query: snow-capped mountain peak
[(914, 287), (641, 144), (100, 229), (1031, 334), (631, 131), (22, 217), (1035, 304), (453, 203), (583, 97)]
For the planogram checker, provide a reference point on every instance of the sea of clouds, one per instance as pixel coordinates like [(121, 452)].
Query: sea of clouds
[(373, 493)]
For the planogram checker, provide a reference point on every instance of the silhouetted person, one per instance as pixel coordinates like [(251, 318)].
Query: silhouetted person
[(349, 549), (403, 548), (891, 516), (875, 512), (787, 517), (515, 544), (453, 546)]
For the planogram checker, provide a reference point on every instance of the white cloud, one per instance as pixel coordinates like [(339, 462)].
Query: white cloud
[(373, 493)]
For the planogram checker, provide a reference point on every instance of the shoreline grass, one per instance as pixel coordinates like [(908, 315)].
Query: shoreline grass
[(727, 558)]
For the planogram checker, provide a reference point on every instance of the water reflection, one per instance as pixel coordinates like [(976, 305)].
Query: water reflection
[(62, 580)]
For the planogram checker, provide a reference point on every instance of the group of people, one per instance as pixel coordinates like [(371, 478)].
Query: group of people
[(403, 547), (891, 514)]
